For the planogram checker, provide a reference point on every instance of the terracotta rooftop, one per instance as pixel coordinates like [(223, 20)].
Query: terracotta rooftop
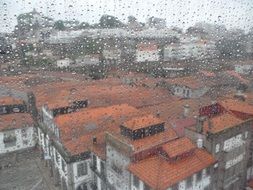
[(237, 76), (221, 122), (178, 147), (147, 142), (189, 81), (161, 174), (7, 100), (172, 110), (236, 105), (150, 46), (142, 122), (179, 125), (76, 124), (15, 120), (207, 73), (78, 129)]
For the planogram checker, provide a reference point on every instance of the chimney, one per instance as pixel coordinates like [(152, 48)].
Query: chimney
[(186, 110), (210, 125), (157, 113), (239, 95), (200, 123), (94, 140), (200, 143)]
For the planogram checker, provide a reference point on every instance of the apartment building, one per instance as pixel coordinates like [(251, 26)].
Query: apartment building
[(146, 154), (147, 52), (243, 111), (67, 141), (227, 138), (186, 87), (16, 126)]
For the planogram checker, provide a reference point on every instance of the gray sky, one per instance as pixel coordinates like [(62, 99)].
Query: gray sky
[(181, 13)]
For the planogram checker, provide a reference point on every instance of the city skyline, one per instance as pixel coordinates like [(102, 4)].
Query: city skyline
[(232, 14)]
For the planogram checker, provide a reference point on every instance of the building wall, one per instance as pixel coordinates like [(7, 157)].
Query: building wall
[(85, 179), (112, 54), (231, 149), (151, 55), (182, 91), (201, 184), (24, 139), (243, 69), (204, 182), (63, 63), (119, 180), (98, 174), (186, 92), (189, 50)]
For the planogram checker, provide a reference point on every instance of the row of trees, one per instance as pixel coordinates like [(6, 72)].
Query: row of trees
[(106, 21)]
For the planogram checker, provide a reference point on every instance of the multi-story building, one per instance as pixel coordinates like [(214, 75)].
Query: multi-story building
[(16, 126), (227, 138), (67, 141), (243, 111), (190, 48), (147, 52), (146, 154), (186, 87)]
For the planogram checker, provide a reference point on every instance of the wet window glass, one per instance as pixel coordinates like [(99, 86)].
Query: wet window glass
[(126, 94)]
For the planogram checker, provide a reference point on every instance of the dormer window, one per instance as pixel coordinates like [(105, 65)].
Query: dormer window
[(141, 127)]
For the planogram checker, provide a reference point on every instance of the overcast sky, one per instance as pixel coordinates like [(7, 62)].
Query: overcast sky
[(181, 13)]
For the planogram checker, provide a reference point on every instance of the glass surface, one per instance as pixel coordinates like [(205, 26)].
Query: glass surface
[(126, 94)]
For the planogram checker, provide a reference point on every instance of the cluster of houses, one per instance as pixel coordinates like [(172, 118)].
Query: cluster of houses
[(120, 146)]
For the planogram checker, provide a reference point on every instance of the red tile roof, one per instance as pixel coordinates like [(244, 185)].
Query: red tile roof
[(78, 129), (150, 46), (147, 142), (76, 124), (179, 125), (189, 81), (15, 121), (220, 123), (178, 147), (160, 174), (237, 76), (142, 122), (8, 100), (207, 73), (236, 105)]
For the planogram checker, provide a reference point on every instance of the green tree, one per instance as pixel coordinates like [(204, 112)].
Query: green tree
[(59, 25), (108, 21), (84, 25)]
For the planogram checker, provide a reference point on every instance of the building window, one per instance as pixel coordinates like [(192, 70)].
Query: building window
[(82, 169), (94, 162), (63, 165), (217, 148), (57, 157), (82, 187), (116, 168), (136, 182), (189, 182), (246, 134), (10, 139), (3, 110), (199, 176), (24, 133), (208, 171), (102, 167), (174, 187), (146, 187)]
